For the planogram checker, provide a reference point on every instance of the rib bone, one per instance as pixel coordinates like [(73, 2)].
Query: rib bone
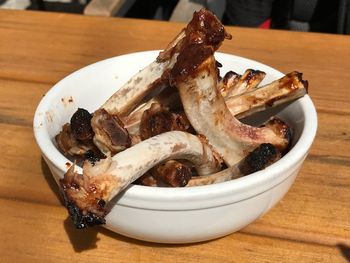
[(233, 84), (206, 109), (86, 194), (287, 88), (203, 28), (283, 90), (263, 156)]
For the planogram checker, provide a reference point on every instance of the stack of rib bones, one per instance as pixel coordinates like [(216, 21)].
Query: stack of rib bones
[(175, 123)]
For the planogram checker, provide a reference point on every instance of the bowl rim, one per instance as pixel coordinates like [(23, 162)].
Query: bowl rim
[(165, 198)]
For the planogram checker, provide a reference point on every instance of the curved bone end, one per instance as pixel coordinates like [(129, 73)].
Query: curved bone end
[(297, 81), (283, 132), (110, 134), (204, 28), (86, 196), (229, 80)]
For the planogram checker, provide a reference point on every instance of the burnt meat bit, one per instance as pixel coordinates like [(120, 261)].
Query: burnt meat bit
[(81, 125), (259, 159)]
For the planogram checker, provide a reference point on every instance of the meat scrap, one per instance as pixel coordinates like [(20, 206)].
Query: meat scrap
[(172, 173), (157, 119), (110, 134)]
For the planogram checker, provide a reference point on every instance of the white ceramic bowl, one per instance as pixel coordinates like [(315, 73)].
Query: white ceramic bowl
[(175, 215)]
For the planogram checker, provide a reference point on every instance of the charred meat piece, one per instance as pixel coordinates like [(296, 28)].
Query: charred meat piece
[(168, 98), (172, 173), (158, 119), (94, 156), (110, 134), (70, 146), (204, 28), (81, 125)]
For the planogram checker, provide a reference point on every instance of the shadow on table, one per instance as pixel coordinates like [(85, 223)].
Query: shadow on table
[(50, 180), (87, 239), (345, 250)]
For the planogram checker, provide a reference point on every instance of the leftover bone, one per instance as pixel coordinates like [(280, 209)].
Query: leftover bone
[(194, 74), (233, 84), (285, 89), (261, 157), (86, 194), (203, 28)]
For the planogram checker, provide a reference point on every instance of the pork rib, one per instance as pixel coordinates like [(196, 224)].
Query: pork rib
[(260, 158), (87, 194), (287, 88), (233, 84), (203, 28), (194, 74)]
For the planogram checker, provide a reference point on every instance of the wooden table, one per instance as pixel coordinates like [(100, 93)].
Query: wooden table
[(311, 224)]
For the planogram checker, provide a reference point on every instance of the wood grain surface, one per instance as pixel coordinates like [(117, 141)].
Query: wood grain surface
[(37, 49)]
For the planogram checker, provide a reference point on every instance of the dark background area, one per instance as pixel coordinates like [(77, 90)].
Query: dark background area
[(300, 15)]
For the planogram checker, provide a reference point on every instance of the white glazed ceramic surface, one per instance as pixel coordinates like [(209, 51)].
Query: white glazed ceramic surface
[(175, 215)]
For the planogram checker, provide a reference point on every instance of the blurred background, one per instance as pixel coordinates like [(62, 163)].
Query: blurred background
[(328, 16)]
